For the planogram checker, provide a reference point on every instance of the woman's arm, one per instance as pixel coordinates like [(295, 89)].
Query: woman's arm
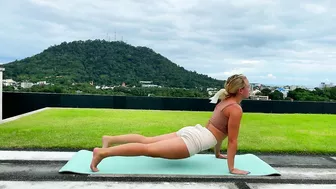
[(233, 131), (217, 148)]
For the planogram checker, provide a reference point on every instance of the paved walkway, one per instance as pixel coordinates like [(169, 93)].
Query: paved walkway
[(29, 169)]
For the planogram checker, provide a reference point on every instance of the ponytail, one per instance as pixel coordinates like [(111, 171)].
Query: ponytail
[(221, 94)]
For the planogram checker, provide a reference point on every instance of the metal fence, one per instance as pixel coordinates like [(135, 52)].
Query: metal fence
[(19, 103)]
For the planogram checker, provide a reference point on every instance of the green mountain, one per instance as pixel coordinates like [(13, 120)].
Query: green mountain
[(104, 63)]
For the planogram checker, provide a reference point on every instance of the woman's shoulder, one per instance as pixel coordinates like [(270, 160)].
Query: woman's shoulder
[(227, 103), (229, 107), (232, 107)]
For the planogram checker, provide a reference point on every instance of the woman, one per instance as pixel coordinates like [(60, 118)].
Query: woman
[(186, 142)]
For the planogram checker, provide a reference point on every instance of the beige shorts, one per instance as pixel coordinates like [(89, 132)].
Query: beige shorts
[(197, 138)]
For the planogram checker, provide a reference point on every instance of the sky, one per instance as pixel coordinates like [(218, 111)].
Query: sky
[(280, 42)]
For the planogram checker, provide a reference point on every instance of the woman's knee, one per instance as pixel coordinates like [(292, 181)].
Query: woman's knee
[(150, 151), (147, 140), (140, 138)]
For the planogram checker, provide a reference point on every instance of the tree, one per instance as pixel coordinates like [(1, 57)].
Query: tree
[(8, 88), (266, 91), (332, 92), (306, 95), (259, 93), (276, 95)]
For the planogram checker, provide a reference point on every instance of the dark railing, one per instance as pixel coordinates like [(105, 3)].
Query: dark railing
[(19, 103)]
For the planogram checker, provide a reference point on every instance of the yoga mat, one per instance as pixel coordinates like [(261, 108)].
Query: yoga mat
[(199, 164)]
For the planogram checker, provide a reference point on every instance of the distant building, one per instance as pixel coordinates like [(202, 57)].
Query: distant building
[(255, 86), (42, 83), (148, 84), (293, 87), (255, 92), (283, 91), (104, 87), (9, 82), (212, 91), (26, 85), (259, 97), (325, 85)]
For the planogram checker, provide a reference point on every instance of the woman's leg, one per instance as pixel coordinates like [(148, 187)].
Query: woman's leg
[(134, 138), (174, 148)]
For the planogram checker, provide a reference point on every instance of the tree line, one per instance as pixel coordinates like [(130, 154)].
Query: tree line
[(119, 91), (299, 94)]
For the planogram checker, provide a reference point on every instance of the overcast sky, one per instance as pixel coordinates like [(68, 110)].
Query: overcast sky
[(294, 40)]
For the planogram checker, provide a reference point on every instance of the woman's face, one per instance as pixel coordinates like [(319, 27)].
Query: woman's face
[(245, 92)]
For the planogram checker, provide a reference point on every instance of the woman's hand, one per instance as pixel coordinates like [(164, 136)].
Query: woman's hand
[(221, 156)]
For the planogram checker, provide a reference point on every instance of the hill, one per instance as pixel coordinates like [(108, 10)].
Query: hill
[(104, 63)]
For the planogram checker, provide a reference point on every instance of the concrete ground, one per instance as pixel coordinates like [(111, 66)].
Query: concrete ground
[(30, 169)]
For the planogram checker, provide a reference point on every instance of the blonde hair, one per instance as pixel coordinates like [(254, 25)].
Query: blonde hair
[(232, 85)]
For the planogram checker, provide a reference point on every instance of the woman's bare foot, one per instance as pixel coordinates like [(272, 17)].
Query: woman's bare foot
[(239, 172), (96, 159), (221, 156), (105, 142)]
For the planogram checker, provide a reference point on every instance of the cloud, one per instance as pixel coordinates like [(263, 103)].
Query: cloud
[(270, 41), (315, 8), (224, 75), (271, 76)]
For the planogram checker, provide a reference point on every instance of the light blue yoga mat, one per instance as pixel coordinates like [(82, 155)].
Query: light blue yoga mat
[(199, 164)]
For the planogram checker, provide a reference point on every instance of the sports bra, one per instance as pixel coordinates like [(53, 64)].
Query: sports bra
[(218, 119)]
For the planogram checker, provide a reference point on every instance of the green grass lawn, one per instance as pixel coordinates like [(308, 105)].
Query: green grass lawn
[(83, 128)]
